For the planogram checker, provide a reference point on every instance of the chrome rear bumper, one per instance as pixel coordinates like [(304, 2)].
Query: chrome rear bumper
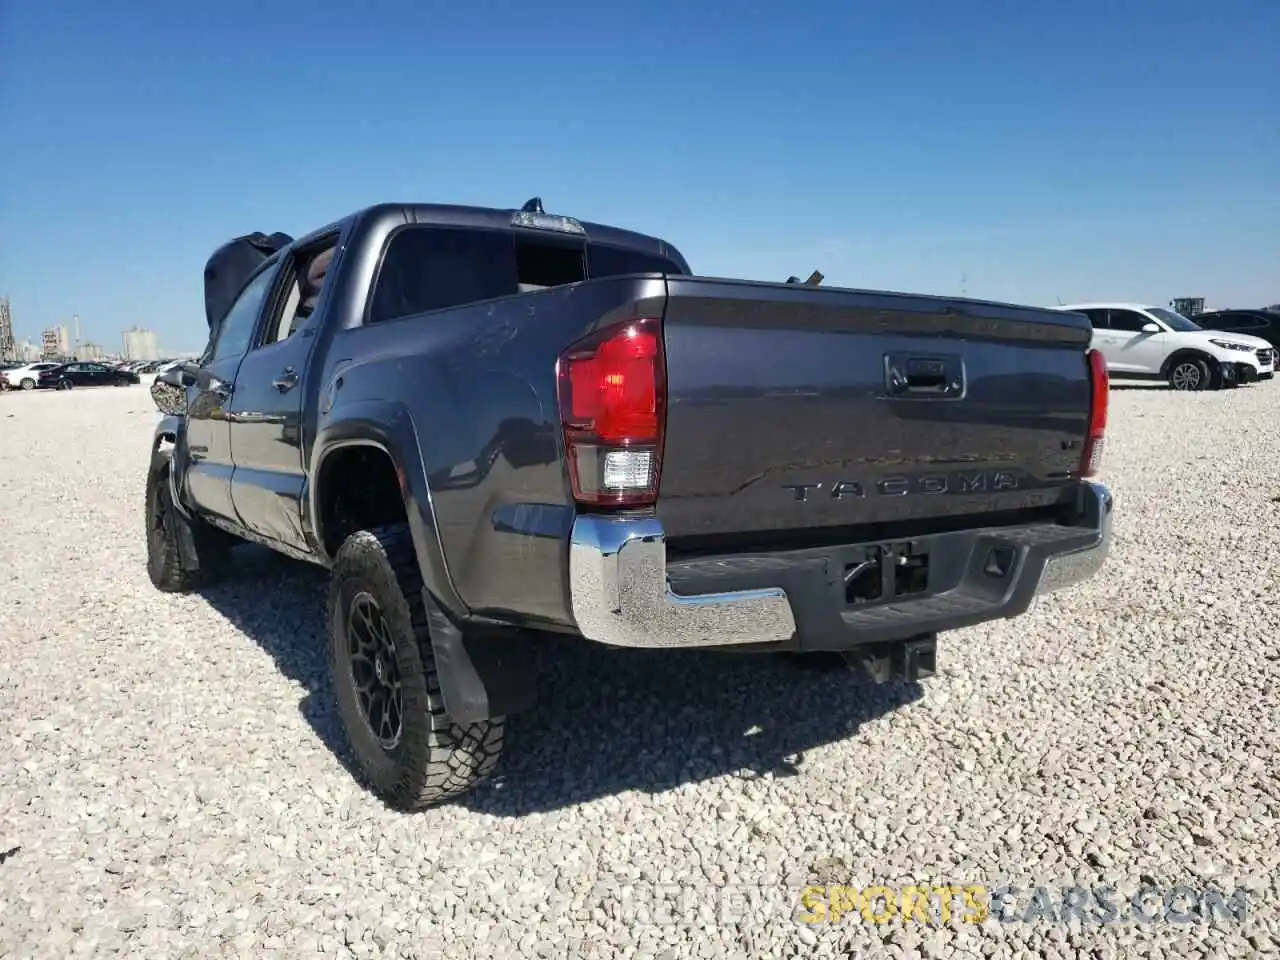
[(620, 593), (618, 586)]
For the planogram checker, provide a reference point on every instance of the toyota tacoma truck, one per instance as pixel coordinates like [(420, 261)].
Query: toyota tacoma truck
[(494, 426)]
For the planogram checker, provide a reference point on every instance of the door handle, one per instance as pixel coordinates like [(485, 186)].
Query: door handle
[(916, 377), (286, 381)]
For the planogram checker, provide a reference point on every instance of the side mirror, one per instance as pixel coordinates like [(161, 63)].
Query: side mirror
[(1151, 328), (188, 374), (169, 394), (173, 377)]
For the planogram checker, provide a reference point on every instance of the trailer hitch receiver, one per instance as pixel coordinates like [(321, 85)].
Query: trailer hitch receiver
[(909, 661)]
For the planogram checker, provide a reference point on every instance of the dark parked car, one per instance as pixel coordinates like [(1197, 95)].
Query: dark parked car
[(495, 426), (1256, 323), (70, 375)]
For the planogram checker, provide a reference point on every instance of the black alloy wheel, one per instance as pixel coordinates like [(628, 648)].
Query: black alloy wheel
[(404, 742), (375, 670)]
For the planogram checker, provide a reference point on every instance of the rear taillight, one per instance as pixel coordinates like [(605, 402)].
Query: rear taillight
[(613, 396), (1099, 393)]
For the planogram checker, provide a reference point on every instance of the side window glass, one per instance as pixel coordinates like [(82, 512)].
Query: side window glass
[(1128, 321), (428, 268), (305, 284), (237, 326)]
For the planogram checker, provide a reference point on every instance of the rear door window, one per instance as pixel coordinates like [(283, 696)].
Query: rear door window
[(428, 268), (1128, 321), (1097, 318)]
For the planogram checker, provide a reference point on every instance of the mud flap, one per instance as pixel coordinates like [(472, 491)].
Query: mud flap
[(484, 673)]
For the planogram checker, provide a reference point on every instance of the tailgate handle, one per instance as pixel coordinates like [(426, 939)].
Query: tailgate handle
[(933, 377)]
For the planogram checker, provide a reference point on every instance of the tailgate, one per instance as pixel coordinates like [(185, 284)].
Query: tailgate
[(802, 409)]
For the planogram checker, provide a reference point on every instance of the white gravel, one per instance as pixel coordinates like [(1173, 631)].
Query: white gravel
[(168, 785)]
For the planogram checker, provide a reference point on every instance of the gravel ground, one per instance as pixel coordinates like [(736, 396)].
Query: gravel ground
[(170, 784)]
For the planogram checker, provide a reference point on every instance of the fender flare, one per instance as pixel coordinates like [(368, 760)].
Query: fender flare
[(173, 429), (387, 425)]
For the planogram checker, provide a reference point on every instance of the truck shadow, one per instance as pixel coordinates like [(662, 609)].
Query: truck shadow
[(606, 722)]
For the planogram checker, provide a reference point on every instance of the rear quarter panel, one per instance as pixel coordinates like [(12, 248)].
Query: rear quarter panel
[(479, 386)]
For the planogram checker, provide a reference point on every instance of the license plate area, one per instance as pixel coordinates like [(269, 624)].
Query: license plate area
[(886, 573)]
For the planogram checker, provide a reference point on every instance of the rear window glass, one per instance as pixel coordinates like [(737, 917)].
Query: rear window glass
[(542, 265), (432, 268), (607, 261)]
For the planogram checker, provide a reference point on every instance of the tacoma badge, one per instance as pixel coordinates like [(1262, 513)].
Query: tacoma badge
[(910, 484)]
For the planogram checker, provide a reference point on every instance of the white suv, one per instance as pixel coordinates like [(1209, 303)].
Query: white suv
[(1155, 343)]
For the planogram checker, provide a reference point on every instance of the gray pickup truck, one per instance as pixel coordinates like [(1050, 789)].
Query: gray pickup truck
[(495, 426)]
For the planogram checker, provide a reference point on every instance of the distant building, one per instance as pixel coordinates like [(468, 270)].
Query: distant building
[(8, 349), (55, 342), (89, 351), (27, 351), (140, 344), (1187, 306)]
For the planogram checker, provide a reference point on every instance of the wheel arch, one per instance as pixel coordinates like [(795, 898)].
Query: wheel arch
[(1188, 353), (168, 430), (387, 428)]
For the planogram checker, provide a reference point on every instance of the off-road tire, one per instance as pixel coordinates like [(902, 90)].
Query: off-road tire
[(436, 758), (1178, 381), (164, 528)]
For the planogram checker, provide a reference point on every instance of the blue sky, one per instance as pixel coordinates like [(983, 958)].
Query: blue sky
[(1079, 150)]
